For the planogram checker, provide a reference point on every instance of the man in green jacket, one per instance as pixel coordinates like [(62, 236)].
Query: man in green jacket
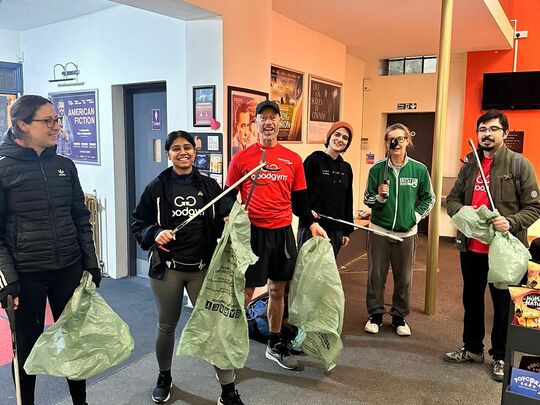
[(512, 182), (400, 194)]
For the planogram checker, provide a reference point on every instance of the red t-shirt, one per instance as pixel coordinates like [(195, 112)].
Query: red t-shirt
[(270, 205), (480, 198)]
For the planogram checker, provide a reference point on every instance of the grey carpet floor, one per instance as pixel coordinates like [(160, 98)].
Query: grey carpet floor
[(381, 369)]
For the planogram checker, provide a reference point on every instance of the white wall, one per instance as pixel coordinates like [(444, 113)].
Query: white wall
[(204, 65), (116, 46), (10, 43), (387, 91), (310, 52)]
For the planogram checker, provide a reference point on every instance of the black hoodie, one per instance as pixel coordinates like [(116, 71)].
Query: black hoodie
[(153, 214), (44, 224), (329, 185)]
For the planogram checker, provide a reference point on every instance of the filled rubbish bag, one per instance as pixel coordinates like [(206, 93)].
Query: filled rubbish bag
[(217, 330), (87, 339), (507, 256), (508, 260), (476, 223), (317, 302)]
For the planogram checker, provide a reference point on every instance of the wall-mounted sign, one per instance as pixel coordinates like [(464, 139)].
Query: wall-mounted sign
[(514, 141), (156, 119), (364, 142), (406, 106), (370, 158)]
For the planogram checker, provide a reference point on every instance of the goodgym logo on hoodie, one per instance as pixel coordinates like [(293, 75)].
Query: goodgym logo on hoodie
[(185, 206)]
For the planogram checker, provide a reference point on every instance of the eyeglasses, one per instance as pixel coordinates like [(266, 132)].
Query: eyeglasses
[(484, 130), (399, 139), (50, 122)]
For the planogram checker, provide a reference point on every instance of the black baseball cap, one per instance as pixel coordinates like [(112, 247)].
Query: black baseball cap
[(267, 103)]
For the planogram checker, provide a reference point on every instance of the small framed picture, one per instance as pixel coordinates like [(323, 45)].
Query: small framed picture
[(204, 105)]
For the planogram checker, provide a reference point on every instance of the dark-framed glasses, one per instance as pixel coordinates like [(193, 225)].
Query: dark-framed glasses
[(398, 139), (50, 122), (484, 130)]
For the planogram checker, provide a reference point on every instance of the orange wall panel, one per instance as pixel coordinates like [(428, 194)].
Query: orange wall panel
[(527, 13)]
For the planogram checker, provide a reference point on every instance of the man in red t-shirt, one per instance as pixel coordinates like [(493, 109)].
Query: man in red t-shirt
[(280, 191), (515, 196)]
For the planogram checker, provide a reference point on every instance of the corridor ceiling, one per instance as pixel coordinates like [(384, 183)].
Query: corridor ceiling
[(370, 29)]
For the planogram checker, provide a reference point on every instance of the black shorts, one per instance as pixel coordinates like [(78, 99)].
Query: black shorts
[(276, 249)]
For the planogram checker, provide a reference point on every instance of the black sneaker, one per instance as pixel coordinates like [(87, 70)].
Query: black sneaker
[(162, 392), (230, 398), (281, 355)]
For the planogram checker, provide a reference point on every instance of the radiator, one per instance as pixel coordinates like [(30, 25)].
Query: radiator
[(92, 203)]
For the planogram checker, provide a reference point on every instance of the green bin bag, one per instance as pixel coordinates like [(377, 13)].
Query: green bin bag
[(317, 302), (476, 223), (87, 339), (507, 257), (508, 260), (217, 329)]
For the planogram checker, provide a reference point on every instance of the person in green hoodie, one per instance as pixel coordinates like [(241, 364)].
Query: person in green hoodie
[(400, 194), (330, 188)]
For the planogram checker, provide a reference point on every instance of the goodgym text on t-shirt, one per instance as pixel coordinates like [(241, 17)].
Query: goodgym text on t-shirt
[(270, 204)]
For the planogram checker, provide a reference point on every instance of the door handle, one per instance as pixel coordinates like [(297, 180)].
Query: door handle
[(156, 150)]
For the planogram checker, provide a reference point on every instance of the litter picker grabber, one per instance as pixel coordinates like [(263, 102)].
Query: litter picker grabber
[(10, 310), (484, 180), (220, 196), (397, 238), (393, 145), (254, 182)]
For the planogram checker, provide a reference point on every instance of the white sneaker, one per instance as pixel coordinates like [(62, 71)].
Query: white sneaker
[(401, 326), (373, 324)]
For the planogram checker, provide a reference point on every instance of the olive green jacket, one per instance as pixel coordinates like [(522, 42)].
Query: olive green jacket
[(521, 209)]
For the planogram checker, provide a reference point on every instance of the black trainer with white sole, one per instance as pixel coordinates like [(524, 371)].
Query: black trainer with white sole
[(162, 392)]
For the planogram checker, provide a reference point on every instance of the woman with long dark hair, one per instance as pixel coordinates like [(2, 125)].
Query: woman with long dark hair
[(45, 235)]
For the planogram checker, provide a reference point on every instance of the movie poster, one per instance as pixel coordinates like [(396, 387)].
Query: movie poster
[(324, 108), (78, 137), (286, 89)]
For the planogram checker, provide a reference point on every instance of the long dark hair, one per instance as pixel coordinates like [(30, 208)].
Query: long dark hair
[(24, 109)]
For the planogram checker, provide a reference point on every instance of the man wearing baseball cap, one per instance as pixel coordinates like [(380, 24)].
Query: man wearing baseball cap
[(280, 191)]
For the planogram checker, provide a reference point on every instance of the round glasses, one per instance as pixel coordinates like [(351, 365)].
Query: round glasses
[(50, 122)]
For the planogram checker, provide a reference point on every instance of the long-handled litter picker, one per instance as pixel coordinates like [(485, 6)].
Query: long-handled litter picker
[(397, 238), (220, 196), (484, 180), (10, 310)]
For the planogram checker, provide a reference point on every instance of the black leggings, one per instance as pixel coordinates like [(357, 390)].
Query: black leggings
[(58, 287)]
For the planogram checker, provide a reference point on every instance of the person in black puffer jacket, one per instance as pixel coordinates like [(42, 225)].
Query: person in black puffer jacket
[(45, 235)]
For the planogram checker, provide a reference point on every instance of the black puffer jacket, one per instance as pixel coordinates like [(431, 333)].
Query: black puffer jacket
[(43, 220)]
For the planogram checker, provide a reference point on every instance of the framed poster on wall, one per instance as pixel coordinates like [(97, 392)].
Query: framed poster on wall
[(78, 138), (204, 105), (286, 89), (241, 117), (324, 107)]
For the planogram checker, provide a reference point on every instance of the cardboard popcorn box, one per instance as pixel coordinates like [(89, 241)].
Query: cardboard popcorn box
[(525, 383)]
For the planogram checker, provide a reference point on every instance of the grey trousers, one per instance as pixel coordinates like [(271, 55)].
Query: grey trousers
[(383, 252), (169, 295)]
